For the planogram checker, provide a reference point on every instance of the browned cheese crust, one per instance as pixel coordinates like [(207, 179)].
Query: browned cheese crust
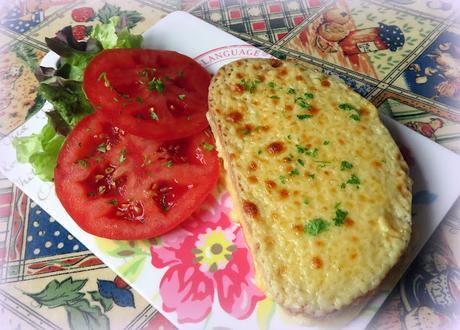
[(323, 190)]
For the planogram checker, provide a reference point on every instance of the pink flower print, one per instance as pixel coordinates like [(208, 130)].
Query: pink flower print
[(207, 255)]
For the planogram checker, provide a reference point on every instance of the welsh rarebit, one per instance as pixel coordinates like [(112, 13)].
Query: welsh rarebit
[(323, 190)]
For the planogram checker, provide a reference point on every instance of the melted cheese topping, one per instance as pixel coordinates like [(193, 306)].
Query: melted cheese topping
[(322, 186)]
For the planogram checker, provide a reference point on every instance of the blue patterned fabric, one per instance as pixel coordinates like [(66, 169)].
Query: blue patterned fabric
[(46, 237)]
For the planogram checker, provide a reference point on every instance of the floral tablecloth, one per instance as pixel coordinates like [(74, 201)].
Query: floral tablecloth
[(403, 55)]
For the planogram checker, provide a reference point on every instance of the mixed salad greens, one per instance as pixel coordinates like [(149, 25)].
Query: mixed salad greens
[(62, 87)]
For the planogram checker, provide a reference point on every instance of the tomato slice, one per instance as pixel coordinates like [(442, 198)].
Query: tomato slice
[(151, 93), (120, 186)]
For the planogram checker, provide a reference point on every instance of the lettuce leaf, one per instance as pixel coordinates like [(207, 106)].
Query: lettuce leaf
[(62, 87), (110, 35), (68, 99), (74, 55), (40, 150)]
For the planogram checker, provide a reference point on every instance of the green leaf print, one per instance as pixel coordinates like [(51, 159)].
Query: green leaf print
[(134, 253), (108, 11), (371, 17), (27, 54), (106, 303), (56, 294), (264, 311), (133, 268), (82, 315)]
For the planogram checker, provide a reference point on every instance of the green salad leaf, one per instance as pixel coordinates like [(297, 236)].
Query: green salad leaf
[(62, 87), (40, 150), (111, 36), (67, 98)]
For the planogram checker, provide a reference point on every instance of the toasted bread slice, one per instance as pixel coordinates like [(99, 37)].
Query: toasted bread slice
[(323, 190)]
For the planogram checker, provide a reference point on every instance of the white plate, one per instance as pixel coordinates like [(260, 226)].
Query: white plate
[(434, 170)]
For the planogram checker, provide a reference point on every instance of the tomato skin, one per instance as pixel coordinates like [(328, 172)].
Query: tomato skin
[(83, 14), (79, 32), (151, 93), (156, 185)]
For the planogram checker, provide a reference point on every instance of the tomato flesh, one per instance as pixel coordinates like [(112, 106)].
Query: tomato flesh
[(121, 186), (151, 93)]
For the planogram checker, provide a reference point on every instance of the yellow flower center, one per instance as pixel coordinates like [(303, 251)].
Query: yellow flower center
[(214, 249)]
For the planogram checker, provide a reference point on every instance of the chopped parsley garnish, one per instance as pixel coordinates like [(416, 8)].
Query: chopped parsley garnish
[(290, 157), (355, 117), (313, 152), (282, 179), (348, 107), (102, 147), (249, 85), (246, 131), (300, 149), (304, 116), (181, 97), (289, 136), (113, 202), (153, 115), (291, 90), (354, 180), (169, 163), (302, 103), (90, 194), (306, 201), (304, 150), (156, 84), (301, 162), (208, 146), (316, 226), (271, 84), (326, 142), (340, 215), (344, 165), (146, 161), (308, 95), (275, 97), (294, 172), (107, 82), (259, 152), (122, 155), (139, 99), (312, 176), (322, 163), (98, 158), (82, 163)]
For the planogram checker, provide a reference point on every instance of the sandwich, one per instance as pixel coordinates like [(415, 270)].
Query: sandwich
[(322, 191)]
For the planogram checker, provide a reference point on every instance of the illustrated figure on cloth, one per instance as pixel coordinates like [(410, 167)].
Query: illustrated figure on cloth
[(23, 15), (427, 129), (336, 32), (436, 73)]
